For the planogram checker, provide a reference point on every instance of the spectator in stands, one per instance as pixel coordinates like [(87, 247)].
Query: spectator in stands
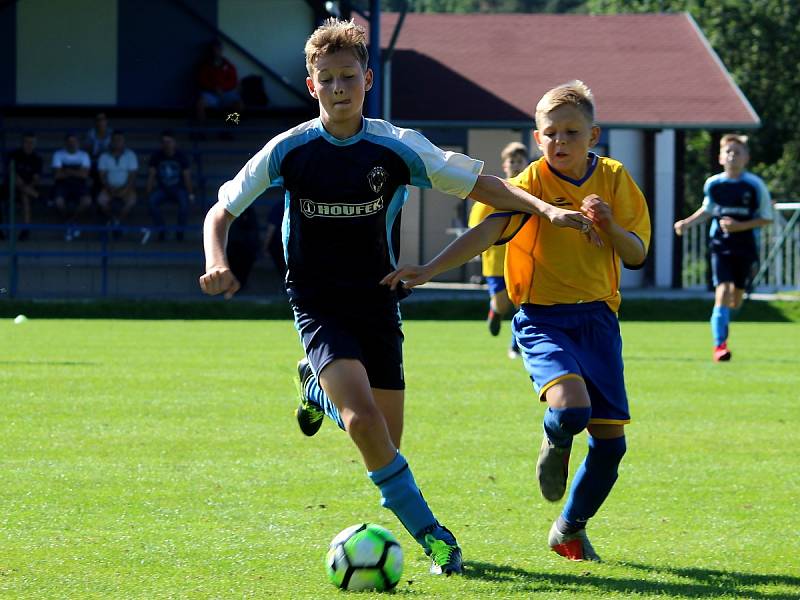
[(98, 140), (219, 83), (273, 243), (117, 167), (168, 179), (71, 188), (27, 169)]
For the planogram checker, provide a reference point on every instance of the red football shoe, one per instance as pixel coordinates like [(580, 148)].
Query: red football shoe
[(721, 352)]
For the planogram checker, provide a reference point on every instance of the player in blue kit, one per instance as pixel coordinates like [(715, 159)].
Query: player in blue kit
[(738, 203), (345, 178)]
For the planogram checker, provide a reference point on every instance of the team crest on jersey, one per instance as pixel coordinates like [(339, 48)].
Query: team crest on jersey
[(341, 210), (377, 178)]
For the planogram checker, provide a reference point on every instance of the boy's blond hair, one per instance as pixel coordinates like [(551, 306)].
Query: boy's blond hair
[(335, 35), (733, 137), (573, 93), (512, 149)]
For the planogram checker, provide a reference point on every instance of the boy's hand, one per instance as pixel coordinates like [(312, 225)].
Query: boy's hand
[(679, 227), (219, 280), (576, 220), (729, 225), (598, 211), (408, 275)]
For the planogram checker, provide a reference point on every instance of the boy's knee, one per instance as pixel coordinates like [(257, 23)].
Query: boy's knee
[(571, 420), (362, 422)]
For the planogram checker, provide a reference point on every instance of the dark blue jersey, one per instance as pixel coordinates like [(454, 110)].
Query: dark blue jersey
[(743, 199), (341, 219)]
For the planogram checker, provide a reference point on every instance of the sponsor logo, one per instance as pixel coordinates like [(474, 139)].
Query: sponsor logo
[(321, 209), (377, 178)]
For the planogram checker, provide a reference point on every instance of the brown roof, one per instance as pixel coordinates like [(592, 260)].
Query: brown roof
[(646, 70)]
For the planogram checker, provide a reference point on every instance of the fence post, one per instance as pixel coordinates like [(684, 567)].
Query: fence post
[(12, 234)]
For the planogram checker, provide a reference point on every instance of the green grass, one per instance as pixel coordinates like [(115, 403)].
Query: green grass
[(160, 459)]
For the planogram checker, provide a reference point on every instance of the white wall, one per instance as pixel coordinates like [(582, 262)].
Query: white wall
[(70, 57), (275, 32), (664, 215), (627, 146)]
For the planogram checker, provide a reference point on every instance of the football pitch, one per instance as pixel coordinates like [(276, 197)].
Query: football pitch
[(161, 459)]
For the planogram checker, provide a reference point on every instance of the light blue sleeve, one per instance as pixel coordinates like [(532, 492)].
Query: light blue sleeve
[(708, 203), (430, 166), (764, 199)]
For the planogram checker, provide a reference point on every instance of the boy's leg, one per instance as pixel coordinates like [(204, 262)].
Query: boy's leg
[(346, 383), (720, 319)]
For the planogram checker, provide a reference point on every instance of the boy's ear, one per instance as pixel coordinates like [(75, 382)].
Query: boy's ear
[(536, 137), (311, 89), (368, 78), (595, 137)]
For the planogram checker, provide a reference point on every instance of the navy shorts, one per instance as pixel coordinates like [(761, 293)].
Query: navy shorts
[(496, 285), (376, 340), (575, 341), (740, 269)]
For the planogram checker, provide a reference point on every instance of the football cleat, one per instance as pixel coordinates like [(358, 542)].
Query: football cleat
[(552, 468), (493, 320), (574, 546), (445, 553), (309, 415), (721, 352)]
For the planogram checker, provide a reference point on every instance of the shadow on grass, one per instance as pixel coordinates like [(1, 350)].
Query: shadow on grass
[(699, 583)]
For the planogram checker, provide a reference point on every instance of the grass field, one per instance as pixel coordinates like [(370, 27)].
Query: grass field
[(160, 459)]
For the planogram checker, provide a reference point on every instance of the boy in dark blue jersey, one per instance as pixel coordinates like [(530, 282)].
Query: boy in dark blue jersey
[(345, 178), (738, 204)]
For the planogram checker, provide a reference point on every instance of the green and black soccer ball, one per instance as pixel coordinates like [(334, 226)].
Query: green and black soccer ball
[(364, 557)]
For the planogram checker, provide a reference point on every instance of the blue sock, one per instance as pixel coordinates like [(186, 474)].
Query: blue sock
[(593, 481), (560, 424), (400, 494), (720, 317), (317, 395)]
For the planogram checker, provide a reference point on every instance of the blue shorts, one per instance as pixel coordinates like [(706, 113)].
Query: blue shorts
[(376, 341), (496, 285), (580, 341), (739, 269)]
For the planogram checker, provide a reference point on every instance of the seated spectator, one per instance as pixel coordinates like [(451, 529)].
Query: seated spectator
[(98, 140), (168, 179), (117, 168), (71, 188), (27, 169), (218, 82)]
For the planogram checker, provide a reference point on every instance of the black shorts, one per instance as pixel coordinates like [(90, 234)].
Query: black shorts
[(376, 340), (736, 268)]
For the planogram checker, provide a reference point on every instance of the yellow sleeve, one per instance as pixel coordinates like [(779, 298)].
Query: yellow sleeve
[(478, 213), (630, 209)]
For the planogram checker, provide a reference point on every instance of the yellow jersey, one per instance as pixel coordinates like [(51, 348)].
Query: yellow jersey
[(493, 259), (551, 265)]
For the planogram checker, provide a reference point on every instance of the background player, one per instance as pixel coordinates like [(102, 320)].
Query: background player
[(345, 179), (568, 293), (738, 203), (515, 159)]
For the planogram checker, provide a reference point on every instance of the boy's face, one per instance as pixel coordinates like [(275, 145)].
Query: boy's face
[(733, 156), (514, 164), (339, 84), (564, 137)]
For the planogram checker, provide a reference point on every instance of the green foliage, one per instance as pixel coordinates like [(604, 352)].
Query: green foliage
[(149, 460)]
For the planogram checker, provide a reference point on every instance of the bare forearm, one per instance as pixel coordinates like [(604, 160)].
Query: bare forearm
[(215, 237), (468, 245), (627, 246), (501, 195), (698, 216)]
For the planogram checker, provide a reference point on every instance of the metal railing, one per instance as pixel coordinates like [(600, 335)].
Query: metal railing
[(779, 253)]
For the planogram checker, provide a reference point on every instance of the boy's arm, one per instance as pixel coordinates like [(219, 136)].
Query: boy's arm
[(459, 251), (698, 216), (627, 245), (218, 278), (730, 225), (495, 192)]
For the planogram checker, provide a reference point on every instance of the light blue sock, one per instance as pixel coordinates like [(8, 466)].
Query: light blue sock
[(317, 395), (400, 494), (593, 481), (720, 317)]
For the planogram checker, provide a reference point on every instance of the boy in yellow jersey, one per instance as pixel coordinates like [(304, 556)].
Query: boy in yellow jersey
[(568, 293), (515, 159)]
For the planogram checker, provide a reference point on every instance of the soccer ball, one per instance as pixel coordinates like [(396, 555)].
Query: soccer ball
[(364, 557)]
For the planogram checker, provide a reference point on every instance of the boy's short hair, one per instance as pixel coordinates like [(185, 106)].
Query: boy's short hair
[(334, 35), (512, 149), (573, 93), (733, 137)]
